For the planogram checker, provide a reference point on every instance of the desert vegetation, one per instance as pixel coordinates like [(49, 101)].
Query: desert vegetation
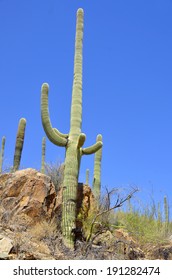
[(107, 226)]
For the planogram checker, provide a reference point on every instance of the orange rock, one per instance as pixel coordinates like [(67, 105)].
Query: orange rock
[(26, 197)]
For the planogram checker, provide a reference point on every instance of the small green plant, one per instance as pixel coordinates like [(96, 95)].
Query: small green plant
[(19, 144)]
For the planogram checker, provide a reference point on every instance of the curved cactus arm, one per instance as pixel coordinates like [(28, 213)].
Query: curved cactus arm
[(92, 149), (51, 134), (81, 140), (60, 133), (97, 172)]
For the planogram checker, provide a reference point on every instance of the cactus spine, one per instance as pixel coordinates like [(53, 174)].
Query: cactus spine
[(43, 155), (72, 142), (19, 144), (87, 176), (97, 171), (2, 153)]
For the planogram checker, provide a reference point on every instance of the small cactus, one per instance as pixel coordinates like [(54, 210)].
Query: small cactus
[(19, 144), (2, 153), (43, 155), (97, 171), (87, 176), (166, 214), (129, 206), (159, 215)]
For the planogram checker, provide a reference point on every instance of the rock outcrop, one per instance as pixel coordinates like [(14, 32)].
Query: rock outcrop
[(27, 197), (30, 215)]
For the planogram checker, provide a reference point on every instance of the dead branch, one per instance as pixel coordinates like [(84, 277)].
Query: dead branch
[(119, 203)]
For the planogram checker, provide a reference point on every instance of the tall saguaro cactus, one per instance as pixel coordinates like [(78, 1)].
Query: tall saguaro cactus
[(43, 155), (97, 171), (19, 144), (2, 153), (73, 141)]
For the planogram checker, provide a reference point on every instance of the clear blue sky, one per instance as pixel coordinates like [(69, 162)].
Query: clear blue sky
[(127, 84)]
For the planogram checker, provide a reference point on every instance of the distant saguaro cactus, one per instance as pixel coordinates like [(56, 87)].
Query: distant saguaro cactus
[(159, 215), (87, 176), (97, 171), (2, 153), (73, 141), (43, 155), (19, 144), (166, 213)]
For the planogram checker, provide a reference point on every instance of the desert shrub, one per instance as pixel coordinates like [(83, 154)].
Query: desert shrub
[(44, 230), (101, 217), (56, 173), (146, 224)]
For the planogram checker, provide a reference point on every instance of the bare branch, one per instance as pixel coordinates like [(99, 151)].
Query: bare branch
[(119, 203)]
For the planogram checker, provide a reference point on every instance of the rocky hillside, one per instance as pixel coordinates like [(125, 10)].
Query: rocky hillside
[(30, 218)]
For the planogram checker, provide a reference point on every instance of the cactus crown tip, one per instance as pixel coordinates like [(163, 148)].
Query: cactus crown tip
[(80, 11), (23, 120), (45, 85), (99, 137)]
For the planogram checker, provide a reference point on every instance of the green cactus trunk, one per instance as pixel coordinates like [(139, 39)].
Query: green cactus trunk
[(43, 155), (72, 142), (97, 171), (19, 144), (2, 153)]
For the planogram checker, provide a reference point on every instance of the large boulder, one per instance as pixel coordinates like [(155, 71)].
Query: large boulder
[(26, 197)]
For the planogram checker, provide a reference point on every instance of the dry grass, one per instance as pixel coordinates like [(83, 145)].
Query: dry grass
[(56, 173), (147, 226), (44, 230)]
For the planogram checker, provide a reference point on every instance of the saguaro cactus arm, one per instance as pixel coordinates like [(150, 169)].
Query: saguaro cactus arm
[(81, 140), (60, 133), (97, 171), (53, 134), (92, 149)]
